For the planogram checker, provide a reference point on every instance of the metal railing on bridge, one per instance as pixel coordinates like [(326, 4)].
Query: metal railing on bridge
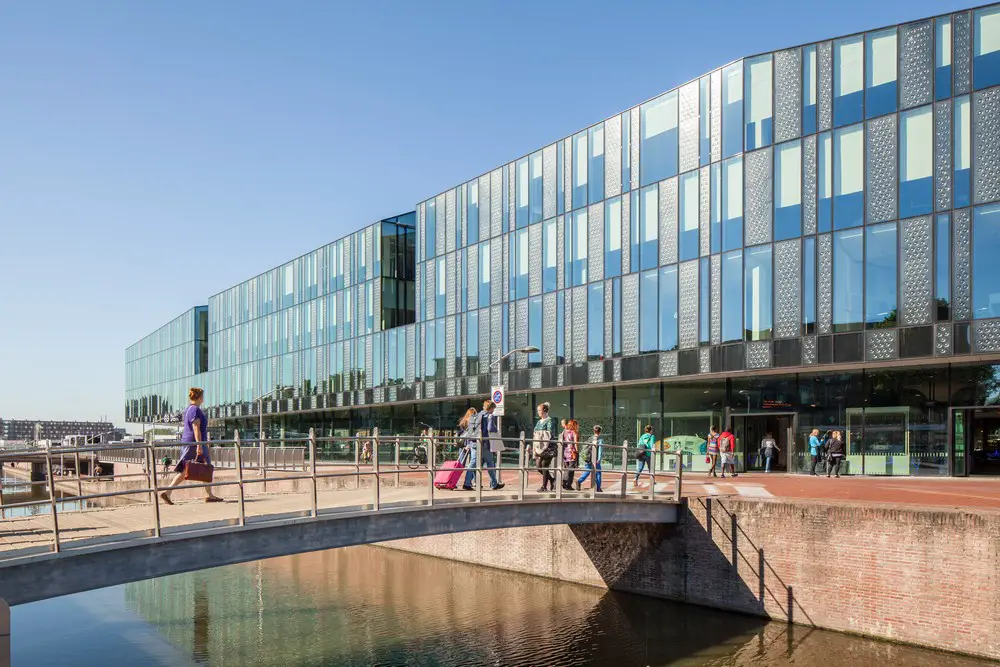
[(377, 460)]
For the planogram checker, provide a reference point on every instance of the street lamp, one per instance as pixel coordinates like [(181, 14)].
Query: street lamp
[(530, 349)]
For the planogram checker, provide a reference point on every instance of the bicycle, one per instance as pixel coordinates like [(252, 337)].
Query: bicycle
[(417, 457)]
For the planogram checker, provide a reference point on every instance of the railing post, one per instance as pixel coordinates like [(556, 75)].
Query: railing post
[(521, 473), (150, 453), (431, 454), (312, 471), (375, 475), (594, 462), (678, 476), (652, 477), (239, 476), (396, 456), (4, 633), (559, 468), (79, 481), (357, 462), (624, 489), (479, 468), (52, 498)]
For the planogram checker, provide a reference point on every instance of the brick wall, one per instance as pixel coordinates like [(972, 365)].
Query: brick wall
[(913, 575)]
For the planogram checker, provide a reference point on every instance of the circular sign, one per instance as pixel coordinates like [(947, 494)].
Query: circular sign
[(498, 396)]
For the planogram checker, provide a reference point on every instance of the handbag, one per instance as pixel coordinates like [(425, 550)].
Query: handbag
[(198, 471), (541, 442)]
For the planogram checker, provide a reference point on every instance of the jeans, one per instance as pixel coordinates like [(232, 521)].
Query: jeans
[(834, 466), (767, 462), (815, 462), (640, 466), (488, 463), (591, 469)]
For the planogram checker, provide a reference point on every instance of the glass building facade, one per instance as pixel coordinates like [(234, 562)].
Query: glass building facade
[(798, 239)]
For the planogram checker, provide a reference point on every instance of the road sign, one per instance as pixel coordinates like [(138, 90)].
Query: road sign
[(497, 396)]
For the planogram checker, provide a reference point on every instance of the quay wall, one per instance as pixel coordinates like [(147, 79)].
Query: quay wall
[(901, 573)]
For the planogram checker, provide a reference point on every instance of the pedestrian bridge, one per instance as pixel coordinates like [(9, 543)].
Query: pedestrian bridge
[(80, 533)]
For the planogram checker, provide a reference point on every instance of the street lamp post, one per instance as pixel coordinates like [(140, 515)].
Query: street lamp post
[(260, 433), (530, 349)]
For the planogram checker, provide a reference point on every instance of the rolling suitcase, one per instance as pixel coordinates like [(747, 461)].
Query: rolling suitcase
[(449, 474)]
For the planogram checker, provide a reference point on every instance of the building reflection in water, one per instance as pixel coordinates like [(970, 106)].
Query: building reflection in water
[(366, 606)]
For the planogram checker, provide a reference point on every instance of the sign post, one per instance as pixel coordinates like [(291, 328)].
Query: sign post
[(497, 396)]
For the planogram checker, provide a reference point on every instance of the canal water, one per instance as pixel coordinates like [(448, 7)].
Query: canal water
[(370, 606), (17, 490)]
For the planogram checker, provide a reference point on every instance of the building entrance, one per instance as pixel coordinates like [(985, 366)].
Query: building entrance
[(976, 435), (751, 429)]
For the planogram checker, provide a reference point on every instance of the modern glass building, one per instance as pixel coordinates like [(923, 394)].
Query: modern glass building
[(800, 239)]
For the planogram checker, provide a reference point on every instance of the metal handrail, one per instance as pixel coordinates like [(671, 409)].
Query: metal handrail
[(435, 446)]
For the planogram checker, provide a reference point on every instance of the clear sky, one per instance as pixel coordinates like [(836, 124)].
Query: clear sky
[(155, 153)]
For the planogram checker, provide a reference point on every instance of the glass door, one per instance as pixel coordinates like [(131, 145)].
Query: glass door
[(959, 426)]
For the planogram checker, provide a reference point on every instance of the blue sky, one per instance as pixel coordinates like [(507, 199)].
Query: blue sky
[(155, 153)]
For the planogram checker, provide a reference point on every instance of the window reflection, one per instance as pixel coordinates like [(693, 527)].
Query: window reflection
[(626, 157), (471, 342), (788, 191), (880, 73), (880, 276), (942, 58), (732, 296), (942, 266), (704, 121), (595, 321), (688, 246), (484, 274), (535, 187), (648, 312), (535, 329), (715, 208), (962, 122), (848, 177), (986, 48), (916, 148), (809, 284), (848, 273), (759, 123), (580, 162), (658, 151), (550, 249), (596, 163), (824, 182), (732, 110), (809, 90), (560, 180), (430, 229), (985, 268), (757, 292), (519, 264), (576, 248), (732, 203), (648, 232), (521, 190), (613, 237), (668, 308), (616, 317), (848, 79)]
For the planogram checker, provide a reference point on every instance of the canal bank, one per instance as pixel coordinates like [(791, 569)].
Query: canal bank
[(907, 574)]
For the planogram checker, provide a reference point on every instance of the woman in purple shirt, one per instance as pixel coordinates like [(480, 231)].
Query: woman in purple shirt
[(195, 442)]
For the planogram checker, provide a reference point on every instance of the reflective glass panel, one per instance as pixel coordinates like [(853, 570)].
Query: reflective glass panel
[(484, 274), (596, 163), (942, 266), (962, 123), (521, 188), (634, 240), (616, 317), (848, 81), (942, 58), (472, 212), (689, 205), (626, 157), (658, 151), (788, 191), (985, 267), (916, 162), (824, 182), (848, 177), (986, 49), (732, 203), (715, 207), (757, 107), (880, 73), (704, 121), (613, 237), (848, 274), (648, 312), (668, 308), (732, 296), (519, 280), (649, 250), (880, 276), (430, 229), (704, 301), (535, 326), (560, 180), (580, 161), (757, 292), (550, 254), (595, 321), (732, 110), (536, 187), (809, 284), (809, 90)]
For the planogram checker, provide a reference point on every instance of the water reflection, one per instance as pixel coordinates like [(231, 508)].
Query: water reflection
[(16, 490), (370, 606)]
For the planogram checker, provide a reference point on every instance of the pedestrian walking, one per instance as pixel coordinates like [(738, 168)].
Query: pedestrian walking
[(543, 449), (713, 451), (195, 439), (768, 451), (571, 452), (647, 442), (479, 425), (727, 450), (837, 452), (815, 449), (591, 455)]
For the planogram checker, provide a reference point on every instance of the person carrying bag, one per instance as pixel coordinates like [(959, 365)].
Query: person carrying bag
[(542, 448)]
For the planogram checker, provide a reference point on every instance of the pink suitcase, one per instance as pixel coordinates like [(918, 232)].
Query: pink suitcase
[(449, 474)]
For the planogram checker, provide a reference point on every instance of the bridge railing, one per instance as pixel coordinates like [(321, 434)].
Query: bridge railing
[(364, 464)]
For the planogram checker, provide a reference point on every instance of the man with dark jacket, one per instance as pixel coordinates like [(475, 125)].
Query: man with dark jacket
[(837, 452)]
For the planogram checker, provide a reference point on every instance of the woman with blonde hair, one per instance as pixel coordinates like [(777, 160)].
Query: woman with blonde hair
[(571, 452), (195, 439)]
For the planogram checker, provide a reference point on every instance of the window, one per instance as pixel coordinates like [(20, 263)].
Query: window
[(560, 327), (916, 182), (757, 292), (704, 302), (824, 183), (942, 267), (848, 177), (535, 326), (788, 191), (649, 252), (848, 79), (596, 164), (962, 152), (430, 229), (985, 273), (576, 248), (986, 48), (472, 213), (704, 121), (550, 250), (471, 342), (535, 187), (668, 308), (732, 110), (732, 296), (880, 276), (732, 203), (648, 311), (880, 73), (616, 317), (633, 224), (809, 90), (440, 285), (430, 347), (519, 264), (521, 189), (595, 321), (715, 207), (809, 284), (560, 190), (688, 238), (942, 58), (848, 270), (485, 269), (613, 237), (580, 170), (759, 123), (626, 157), (658, 151)]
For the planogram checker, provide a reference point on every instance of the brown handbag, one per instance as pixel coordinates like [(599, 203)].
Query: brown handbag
[(196, 471)]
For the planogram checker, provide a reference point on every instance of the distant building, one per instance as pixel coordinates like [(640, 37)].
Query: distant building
[(24, 429)]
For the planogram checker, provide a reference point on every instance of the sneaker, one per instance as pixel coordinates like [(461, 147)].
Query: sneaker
[(544, 489), (165, 498), (736, 474), (600, 490), (468, 488), (499, 486)]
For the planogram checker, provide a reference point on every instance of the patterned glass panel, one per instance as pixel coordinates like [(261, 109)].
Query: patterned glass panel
[(609, 324), (634, 140), (942, 339), (704, 210), (788, 94), (787, 288), (668, 221), (630, 314), (963, 53), (881, 345), (442, 228), (688, 304), (485, 207), (716, 139), (916, 271), (824, 63), (549, 155), (612, 149), (496, 203), (535, 260), (986, 145), (962, 299), (688, 126), (716, 325), (549, 330), (986, 336), (881, 179), (451, 222), (758, 197), (595, 260), (758, 354), (560, 254), (451, 283), (809, 185), (916, 64), (825, 287), (942, 155), (626, 233), (472, 276), (450, 344)]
